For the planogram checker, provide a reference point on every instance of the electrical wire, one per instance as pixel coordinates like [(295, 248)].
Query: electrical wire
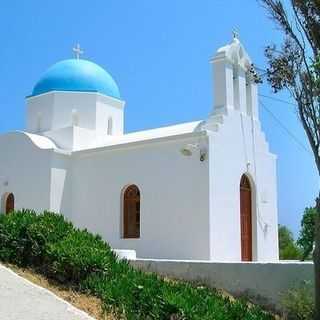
[(293, 137), (278, 100)]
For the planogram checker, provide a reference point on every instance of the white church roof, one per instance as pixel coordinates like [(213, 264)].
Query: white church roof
[(173, 131), (156, 133), (148, 135), (40, 141)]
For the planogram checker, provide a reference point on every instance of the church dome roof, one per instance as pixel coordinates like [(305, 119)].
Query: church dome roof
[(77, 75)]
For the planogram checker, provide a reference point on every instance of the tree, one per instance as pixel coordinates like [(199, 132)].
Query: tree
[(306, 236), (295, 66), (288, 249)]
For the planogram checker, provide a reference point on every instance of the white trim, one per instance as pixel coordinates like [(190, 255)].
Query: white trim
[(134, 144), (75, 92)]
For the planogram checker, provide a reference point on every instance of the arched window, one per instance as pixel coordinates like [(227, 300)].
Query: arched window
[(131, 212), (8, 203), (110, 125), (249, 86), (75, 117), (236, 92), (39, 120), (246, 219)]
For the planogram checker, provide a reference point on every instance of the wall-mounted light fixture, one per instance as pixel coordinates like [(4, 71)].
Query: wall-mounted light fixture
[(190, 148), (265, 228), (4, 181), (264, 197)]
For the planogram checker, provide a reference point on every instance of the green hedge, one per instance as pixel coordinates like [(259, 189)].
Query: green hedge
[(76, 257)]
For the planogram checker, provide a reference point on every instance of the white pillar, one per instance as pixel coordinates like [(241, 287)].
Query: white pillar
[(240, 94), (252, 97), (222, 83)]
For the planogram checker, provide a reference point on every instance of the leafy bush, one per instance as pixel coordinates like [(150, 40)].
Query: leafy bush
[(78, 255), (306, 236), (135, 294), (47, 229), (25, 236), (15, 244), (288, 250), (299, 302), (57, 249)]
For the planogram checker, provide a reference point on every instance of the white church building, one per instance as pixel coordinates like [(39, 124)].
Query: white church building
[(204, 190)]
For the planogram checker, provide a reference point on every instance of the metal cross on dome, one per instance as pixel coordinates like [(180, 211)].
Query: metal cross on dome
[(77, 50)]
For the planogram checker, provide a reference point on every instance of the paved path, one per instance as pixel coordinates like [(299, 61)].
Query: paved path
[(22, 300)]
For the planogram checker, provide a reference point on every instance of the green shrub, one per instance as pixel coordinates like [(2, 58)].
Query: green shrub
[(288, 249), (78, 255), (201, 303), (133, 294), (52, 245), (137, 295), (307, 232), (298, 303), (25, 236), (15, 246), (48, 229)]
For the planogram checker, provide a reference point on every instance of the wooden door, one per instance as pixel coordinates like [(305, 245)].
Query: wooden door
[(9, 204), (131, 206), (246, 219)]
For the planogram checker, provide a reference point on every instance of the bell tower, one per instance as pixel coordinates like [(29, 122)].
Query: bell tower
[(233, 85)]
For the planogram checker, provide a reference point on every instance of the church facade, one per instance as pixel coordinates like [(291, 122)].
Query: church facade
[(204, 190)]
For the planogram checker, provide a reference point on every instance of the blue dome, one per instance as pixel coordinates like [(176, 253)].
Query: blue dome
[(77, 75)]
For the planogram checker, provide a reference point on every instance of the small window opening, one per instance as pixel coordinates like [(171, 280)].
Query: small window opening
[(75, 117), (110, 125)]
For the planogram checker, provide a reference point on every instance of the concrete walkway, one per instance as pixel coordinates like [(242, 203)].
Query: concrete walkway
[(22, 300)]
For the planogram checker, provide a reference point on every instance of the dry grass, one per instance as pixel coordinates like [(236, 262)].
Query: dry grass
[(89, 304)]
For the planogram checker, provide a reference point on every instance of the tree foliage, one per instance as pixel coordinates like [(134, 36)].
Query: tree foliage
[(288, 250), (295, 65), (306, 236)]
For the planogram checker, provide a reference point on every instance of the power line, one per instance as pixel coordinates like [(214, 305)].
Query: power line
[(273, 98), (297, 141), (278, 100), (269, 97)]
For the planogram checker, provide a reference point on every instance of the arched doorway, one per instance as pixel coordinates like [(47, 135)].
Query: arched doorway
[(246, 218), (131, 212), (8, 203)]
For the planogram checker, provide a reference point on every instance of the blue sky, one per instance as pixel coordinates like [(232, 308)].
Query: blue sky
[(158, 52)]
